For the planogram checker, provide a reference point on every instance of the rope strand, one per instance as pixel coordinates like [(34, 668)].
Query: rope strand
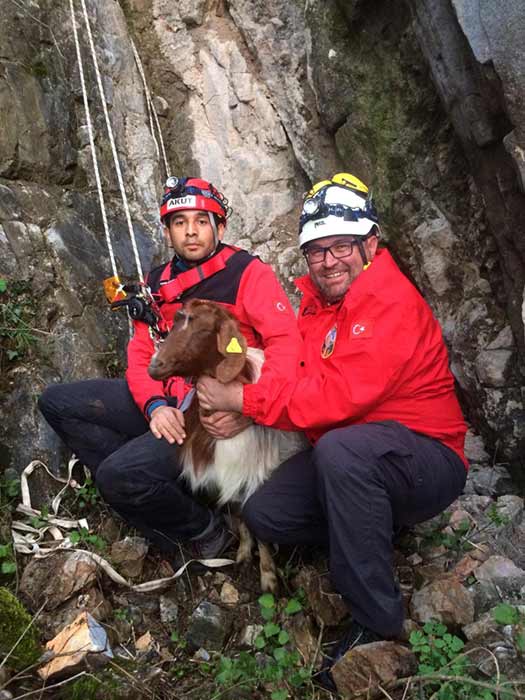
[(112, 142), (92, 142), (151, 110)]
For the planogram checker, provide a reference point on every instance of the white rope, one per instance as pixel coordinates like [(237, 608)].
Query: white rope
[(151, 111), (112, 142), (31, 539), (92, 142)]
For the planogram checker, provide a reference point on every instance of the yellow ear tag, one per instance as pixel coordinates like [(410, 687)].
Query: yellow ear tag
[(234, 346)]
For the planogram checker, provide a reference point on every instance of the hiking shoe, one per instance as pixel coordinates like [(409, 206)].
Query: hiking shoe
[(211, 543), (355, 636)]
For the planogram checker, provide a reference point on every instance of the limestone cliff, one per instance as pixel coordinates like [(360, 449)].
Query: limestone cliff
[(423, 100)]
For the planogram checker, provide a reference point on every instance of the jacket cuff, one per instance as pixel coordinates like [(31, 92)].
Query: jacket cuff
[(250, 401), (153, 403)]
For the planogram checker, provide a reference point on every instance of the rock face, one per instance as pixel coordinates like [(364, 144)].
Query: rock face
[(263, 98)]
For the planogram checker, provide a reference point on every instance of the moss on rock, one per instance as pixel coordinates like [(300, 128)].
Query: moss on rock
[(14, 619)]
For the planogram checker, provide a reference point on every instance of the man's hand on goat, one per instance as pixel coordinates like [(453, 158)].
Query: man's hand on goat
[(215, 396), (225, 424), (167, 422)]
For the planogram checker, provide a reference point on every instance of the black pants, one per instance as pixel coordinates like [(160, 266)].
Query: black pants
[(351, 492), (136, 473)]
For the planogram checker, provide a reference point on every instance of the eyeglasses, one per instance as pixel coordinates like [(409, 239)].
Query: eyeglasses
[(317, 254)]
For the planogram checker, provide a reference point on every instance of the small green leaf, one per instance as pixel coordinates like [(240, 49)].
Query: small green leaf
[(520, 641), (259, 643), (279, 653), (271, 629), (283, 637), (280, 694), (505, 614), (267, 601), (3, 286), (8, 567), (293, 606), (74, 537), (268, 613)]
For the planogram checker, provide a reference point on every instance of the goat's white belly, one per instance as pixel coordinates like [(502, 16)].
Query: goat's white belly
[(242, 463)]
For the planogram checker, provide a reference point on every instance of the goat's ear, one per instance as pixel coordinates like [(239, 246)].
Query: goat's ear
[(232, 345)]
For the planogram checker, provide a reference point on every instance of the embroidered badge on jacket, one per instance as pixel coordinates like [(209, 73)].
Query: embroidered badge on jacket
[(329, 343), (362, 329)]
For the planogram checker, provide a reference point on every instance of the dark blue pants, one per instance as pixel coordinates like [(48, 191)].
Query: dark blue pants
[(352, 492), (136, 473)]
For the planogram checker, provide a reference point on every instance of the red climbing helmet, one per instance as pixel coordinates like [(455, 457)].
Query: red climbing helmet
[(192, 193)]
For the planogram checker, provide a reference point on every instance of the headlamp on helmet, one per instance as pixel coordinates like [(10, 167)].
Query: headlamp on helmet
[(341, 206)]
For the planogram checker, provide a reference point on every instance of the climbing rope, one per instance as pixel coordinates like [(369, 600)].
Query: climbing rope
[(112, 142), (151, 111), (92, 142)]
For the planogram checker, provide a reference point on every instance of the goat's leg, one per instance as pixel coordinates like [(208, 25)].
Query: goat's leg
[(244, 553), (267, 569)]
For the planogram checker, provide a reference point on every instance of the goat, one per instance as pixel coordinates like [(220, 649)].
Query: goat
[(206, 340)]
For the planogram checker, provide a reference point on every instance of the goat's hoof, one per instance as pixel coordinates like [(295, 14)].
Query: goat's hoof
[(244, 557), (269, 583)]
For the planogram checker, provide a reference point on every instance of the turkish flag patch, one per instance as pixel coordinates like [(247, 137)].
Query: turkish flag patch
[(361, 329)]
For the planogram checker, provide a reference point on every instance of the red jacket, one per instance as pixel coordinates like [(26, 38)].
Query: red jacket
[(245, 286), (384, 359)]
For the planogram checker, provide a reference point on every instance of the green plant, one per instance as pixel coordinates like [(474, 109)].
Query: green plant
[(456, 540), (7, 560), (9, 491), (16, 315), (38, 521), (495, 516), (440, 652), (505, 614), (123, 614), (176, 639), (83, 536), (87, 495), (277, 666)]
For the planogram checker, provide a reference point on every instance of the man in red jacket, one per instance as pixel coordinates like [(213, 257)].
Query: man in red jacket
[(128, 432), (374, 394)]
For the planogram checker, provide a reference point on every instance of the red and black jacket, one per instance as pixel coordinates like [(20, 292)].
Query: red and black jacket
[(243, 284)]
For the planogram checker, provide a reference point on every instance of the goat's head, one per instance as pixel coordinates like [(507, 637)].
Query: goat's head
[(205, 339)]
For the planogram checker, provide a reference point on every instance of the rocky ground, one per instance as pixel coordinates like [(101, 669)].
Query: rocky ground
[(211, 634)]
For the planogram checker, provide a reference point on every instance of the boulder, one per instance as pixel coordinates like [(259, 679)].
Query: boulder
[(444, 599), (208, 627), (366, 667), (75, 571)]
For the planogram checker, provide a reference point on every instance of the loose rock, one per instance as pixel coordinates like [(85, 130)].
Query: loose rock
[(83, 637), (445, 600), (328, 607), (209, 626), (129, 555), (370, 665), (75, 571)]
